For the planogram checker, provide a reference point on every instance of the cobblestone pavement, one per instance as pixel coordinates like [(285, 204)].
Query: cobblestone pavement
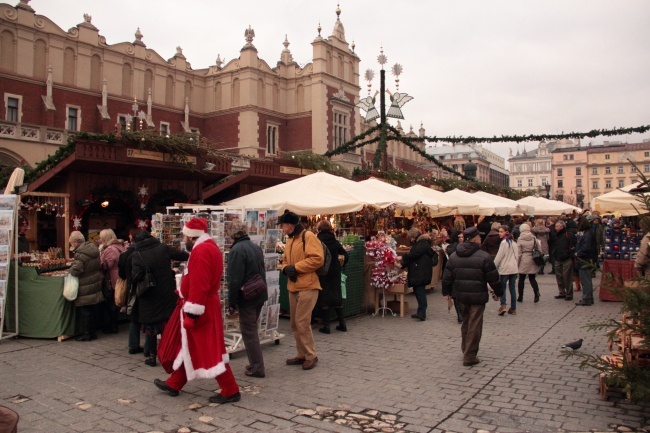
[(385, 374)]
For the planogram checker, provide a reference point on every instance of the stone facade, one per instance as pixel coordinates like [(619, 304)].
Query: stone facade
[(490, 166), (69, 81), (532, 169)]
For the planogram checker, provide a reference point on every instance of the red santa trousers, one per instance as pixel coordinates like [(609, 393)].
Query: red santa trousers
[(226, 381)]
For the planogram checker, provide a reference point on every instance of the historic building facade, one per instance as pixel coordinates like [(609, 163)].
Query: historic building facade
[(490, 166), (570, 178), (55, 82), (531, 170), (610, 166)]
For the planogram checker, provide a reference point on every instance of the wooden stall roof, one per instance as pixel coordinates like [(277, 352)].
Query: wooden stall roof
[(119, 160)]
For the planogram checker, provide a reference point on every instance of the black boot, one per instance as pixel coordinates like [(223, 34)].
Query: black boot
[(339, 315), (152, 341), (521, 295), (85, 325), (325, 317)]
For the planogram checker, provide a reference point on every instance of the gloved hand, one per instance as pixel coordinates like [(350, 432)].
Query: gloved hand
[(291, 273), (188, 322)]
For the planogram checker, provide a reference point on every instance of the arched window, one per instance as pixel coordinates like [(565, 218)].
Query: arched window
[(276, 97), (95, 72), (40, 60), (328, 60), (235, 93), (340, 67), (300, 98), (148, 84), (69, 66), (127, 88), (218, 95), (7, 51), (169, 90), (261, 97)]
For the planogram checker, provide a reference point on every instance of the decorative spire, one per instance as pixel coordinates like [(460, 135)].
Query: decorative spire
[(219, 62), (338, 11), (24, 4), (353, 45), (138, 38), (286, 56), (179, 53), (285, 43), (339, 31), (249, 34), (319, 28)]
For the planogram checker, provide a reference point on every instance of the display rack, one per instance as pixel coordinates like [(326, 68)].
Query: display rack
[(8, 244), (261, 228)]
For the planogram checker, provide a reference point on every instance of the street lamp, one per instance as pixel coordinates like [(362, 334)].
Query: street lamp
[(548, 190), (580, 198)]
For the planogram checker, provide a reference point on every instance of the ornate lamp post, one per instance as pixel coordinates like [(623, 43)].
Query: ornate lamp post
[(548, 190), (580, 197), (397, 101), (470, 169)]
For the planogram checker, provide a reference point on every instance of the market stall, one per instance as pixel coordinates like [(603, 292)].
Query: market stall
[(486, 206), (620, 202), (543, 206), (622, 244), (459, 205), (43, 312), (519, 207)]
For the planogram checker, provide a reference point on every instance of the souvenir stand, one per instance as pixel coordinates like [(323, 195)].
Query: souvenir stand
[(36, 285), (8, 243), (622, 244), (261, 229)]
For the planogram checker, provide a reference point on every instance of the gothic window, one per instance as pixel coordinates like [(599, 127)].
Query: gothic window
[(95, 72), (271, 139)]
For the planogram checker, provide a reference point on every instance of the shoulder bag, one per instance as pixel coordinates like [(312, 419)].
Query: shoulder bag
[(147, 282), (538, 257), (255, 286)]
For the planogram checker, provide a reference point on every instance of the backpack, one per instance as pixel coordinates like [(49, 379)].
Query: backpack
[(322, 271)]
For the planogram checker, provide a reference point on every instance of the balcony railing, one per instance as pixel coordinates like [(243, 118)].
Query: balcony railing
[(35, 133)]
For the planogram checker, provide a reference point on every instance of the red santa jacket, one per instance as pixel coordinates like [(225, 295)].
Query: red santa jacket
[(203, 348)]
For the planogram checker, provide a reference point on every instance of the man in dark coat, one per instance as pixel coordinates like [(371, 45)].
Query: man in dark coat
[(586, 256), (564, 248), (466, 277), (156, 303), (245, 261), (419, 262)]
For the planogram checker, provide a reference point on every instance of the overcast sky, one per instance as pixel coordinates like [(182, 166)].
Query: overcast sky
[(480, 68)]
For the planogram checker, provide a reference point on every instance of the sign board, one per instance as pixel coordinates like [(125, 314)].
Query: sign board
[(145, 154), (181, 159), (290, 170), (307, 171)]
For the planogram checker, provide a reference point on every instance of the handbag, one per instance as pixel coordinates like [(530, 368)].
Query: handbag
[(538, 257), (70, 287), (120, 292), (147, 282), (253, 288)]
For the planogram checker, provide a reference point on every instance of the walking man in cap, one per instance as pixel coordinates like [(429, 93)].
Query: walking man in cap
[(303, 254), (466, 276), (198, 345)]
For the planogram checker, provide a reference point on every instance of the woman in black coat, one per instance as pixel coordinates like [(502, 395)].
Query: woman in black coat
[(156, 303), (419, 262), (330, 295)]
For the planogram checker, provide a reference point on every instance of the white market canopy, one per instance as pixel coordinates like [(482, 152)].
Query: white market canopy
[(461, 207), (620, 202), (519, 207), (317, 193), (543, 206), (407, 199), (486, 206)]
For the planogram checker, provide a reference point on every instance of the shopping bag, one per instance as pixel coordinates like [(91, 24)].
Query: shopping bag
[(120, 292), (344, 290), (70, 287), (170, 342)]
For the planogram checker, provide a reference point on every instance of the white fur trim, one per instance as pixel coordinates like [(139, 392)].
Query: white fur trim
[(202, 238), (184, 359), (190, 233), (192, 308)]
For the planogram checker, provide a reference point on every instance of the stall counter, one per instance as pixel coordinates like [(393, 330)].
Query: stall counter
[(43, 312), (614, 274)]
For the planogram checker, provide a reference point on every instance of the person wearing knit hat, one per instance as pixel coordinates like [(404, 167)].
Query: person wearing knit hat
[(526, 244), (193, 345), (303, 255)]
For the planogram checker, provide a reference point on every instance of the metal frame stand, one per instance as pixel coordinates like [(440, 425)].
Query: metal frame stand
[(383, 307)]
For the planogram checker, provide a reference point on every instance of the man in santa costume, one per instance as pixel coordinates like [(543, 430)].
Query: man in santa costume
[(192, 345)]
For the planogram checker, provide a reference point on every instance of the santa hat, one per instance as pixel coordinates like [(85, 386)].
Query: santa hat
[(195, 227)]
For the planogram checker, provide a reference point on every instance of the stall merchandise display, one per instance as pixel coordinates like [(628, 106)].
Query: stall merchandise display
[(622, 242), (262, 230)]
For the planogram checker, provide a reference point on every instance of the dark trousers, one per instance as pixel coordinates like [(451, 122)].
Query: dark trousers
[(248, 317), (564, 277), (522, 282), (587, 285), (471, 330), (87, 320), (421, 297)]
